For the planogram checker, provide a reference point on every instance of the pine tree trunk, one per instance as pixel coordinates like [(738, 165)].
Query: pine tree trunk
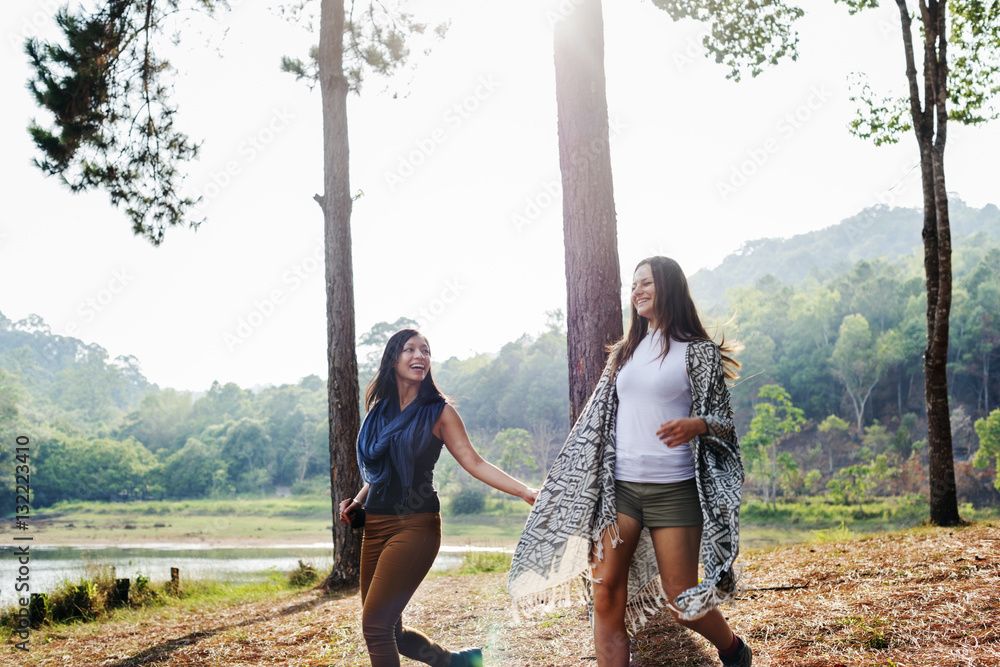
[(593, 278), (943, 491), (342, 383), (930, 126)]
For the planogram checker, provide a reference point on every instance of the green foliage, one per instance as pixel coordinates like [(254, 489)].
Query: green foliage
[(68, 394), (90, 599), (812, 481), (524, 386), (191, 471), (776, 418), (833, 422), (157, 420), (854, 484), (880, 119), (822, 512), (973, 51), (142, 593), (304, 575), (902, 441), (482, 562), (988, 454), (876, 438), (377, 40), (839, 534), (855, 362), (815, 260), (742, 35), (974, 60), (113, 122), (98, 469), (469, 500), (514, 445), (73, 602)]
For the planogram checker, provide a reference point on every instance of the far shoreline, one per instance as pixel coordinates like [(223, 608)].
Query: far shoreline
[(238, 523), (49, 534)]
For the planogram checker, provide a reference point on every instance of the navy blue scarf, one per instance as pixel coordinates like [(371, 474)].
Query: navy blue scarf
[(392, 440)]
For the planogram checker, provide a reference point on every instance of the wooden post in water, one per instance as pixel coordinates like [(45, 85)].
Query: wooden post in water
[(174, 587)]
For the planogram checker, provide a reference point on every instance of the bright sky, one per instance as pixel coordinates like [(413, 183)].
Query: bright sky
[(459, 225)]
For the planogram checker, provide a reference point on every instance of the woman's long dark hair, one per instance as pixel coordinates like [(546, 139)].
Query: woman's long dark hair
[(676, 315), (383, 385)]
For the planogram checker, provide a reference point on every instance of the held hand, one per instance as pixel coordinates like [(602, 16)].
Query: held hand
[(530, 496), (346, 507), (676, 432)]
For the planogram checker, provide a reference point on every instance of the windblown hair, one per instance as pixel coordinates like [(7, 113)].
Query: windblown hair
[(676, 316), (383, 385)]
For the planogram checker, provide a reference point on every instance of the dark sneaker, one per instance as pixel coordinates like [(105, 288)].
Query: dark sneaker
[(743, 657), (470, 657)]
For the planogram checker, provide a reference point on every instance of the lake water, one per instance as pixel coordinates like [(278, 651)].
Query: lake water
[(51, 565)]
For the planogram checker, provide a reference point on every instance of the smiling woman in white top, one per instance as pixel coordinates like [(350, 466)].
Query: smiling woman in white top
[(656, 478)]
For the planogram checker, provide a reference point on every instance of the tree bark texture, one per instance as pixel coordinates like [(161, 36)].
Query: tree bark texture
[(342, 383), (930, 126), (593, 277)]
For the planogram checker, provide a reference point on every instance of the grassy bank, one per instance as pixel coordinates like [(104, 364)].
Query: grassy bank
[(818, 520), (91, 598)]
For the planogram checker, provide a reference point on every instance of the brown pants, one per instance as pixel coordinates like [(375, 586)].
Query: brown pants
[(396, 553)]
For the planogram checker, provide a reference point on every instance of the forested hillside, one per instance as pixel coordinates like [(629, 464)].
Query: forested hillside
[(878, 231), (830, 401)]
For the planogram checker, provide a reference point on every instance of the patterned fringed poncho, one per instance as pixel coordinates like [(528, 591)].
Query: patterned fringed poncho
[(576, 505)]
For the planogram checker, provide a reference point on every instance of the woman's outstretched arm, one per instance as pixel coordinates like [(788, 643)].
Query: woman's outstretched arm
[(451, 429)]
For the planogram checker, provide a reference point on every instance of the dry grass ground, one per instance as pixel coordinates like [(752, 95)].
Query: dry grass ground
[(926, 597)]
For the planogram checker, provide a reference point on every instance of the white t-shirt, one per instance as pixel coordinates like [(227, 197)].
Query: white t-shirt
[(651, 391)]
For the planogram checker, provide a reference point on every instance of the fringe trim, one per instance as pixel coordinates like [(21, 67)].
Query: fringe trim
[(699, 604), (645, 605), (613, 531), (537, 604)]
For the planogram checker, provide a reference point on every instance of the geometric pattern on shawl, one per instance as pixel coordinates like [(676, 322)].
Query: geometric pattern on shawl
[(576, 506), (719, 475)]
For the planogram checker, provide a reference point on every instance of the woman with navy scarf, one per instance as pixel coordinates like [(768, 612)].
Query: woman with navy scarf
[(408, 422)]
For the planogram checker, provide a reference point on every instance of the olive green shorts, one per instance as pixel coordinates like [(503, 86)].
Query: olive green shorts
[(659, 505)]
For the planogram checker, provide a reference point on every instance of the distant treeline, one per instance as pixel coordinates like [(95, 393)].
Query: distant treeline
[(844, 346), (100, 431)]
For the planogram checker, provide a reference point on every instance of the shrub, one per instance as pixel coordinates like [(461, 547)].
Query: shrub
[(468, 501), (38, 610), (304, 575), (477, 562), (73, 602), (142, 593)]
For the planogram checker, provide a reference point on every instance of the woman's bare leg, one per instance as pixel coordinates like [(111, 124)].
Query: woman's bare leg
[(611, 593), (677, 558)]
